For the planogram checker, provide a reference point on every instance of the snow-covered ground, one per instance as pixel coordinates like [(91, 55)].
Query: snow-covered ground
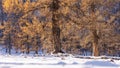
[(21, 61), (51, 61)]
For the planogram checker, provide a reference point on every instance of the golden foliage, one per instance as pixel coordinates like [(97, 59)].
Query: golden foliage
[(70, 13), (33, 29)]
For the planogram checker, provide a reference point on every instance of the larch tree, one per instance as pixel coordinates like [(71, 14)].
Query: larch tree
[(55, 25), (59, 11), (87, 14), (8, 25), (92, 15), (87, 4)]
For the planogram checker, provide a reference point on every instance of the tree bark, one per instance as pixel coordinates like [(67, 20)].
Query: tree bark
[(9, 44), (94, 30), (27, 46), (55, 26), (95, 43), (1, 12)]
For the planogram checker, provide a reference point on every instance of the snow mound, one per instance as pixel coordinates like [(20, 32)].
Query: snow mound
[(101, 63)]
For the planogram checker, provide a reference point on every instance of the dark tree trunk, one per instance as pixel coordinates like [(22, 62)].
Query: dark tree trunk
[(95, 43), (55, 26), (27, 46), (38, 43), (27, 52), (56, 38), (9, 44), (36, 52), (1, 12)]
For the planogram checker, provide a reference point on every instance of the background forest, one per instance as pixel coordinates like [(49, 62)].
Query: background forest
[(84, 27)]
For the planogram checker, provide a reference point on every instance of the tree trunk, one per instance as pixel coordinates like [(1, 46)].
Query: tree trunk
[(95, 43), (56, 38), (93, 28), (27, 46), (9, 45), (95, 49), (1, 12), (55, 26)]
